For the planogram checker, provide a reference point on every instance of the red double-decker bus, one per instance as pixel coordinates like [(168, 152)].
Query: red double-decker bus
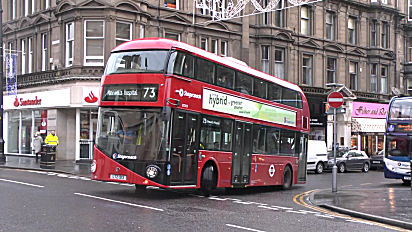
[(172, 115)]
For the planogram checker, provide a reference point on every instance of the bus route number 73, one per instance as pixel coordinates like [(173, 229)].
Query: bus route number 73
[(149, 92)]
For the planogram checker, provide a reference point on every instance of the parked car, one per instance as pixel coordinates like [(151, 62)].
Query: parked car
[(317, 156), (350, 160), (377, 161)]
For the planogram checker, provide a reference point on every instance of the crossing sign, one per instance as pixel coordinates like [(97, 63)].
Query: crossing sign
[(335, 99)]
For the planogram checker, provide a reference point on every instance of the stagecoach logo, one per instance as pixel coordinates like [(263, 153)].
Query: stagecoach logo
[(272, 170), (184, 93), (118, 156)]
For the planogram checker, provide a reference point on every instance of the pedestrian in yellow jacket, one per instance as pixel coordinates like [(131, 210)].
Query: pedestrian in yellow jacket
[(52, 139)]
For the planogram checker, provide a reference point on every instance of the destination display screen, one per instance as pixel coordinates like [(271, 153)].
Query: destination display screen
[(400, 128), (131, 92)]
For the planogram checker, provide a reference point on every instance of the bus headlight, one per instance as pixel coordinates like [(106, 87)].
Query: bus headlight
[(93, 166), (152, 171)]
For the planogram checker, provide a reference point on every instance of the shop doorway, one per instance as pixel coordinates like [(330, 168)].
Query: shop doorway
[(88, 125)]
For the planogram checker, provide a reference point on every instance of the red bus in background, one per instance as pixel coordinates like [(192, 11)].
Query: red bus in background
[(172, 115)]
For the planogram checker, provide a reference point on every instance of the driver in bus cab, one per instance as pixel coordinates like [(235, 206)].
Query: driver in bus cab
[(126, 134)]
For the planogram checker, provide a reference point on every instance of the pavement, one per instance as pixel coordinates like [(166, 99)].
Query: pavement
[(390, 205)]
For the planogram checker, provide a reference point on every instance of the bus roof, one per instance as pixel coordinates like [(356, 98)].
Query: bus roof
[(162, 43)]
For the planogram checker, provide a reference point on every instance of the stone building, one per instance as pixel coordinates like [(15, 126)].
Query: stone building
[(60, 48)]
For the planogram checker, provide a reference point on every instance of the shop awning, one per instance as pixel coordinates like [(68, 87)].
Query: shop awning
[(368, 125)]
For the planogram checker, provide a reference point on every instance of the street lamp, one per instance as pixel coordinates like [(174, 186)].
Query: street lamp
[(2, 156)]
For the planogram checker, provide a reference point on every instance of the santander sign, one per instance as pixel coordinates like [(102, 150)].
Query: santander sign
[(26, 102)]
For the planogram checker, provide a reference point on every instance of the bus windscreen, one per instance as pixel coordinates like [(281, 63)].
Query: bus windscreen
[(401, 110), (130, 134), (143, 61)]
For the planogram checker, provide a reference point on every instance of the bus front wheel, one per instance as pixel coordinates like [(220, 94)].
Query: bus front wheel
[(209, 180), (287, 178)]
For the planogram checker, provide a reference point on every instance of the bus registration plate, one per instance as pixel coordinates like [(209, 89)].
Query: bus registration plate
[(117, 177), (407, 178)]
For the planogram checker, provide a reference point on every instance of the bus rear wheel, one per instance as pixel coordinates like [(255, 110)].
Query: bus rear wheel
[(208, 180), (287, 178)]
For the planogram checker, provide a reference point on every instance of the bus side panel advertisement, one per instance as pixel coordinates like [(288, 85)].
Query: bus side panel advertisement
[(229, 104)]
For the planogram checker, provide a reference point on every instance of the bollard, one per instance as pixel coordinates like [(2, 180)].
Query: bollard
[(48, 156)]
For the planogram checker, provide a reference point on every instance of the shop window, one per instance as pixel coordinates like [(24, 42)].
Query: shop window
[(13, 132)]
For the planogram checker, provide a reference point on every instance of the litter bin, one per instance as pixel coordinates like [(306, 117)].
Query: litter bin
[(48, 156)]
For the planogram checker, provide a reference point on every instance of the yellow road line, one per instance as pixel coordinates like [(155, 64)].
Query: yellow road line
[(298, 199)]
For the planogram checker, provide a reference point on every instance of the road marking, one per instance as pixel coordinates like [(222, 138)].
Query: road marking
[(365, 183), (244, 228), (267, 207), (18, 182), (298, 199), (281, 207), (120, 202), (345, 186)]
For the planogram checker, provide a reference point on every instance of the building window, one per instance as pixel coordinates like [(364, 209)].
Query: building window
[(330, 25), (123, 32), (203, 43), (307, 69), (353, 75), (374, 78), (374, 26), (280, 62), (173, 36), (265, 15), (409, 55), (279, 14), (214, 45), (331, 70), (33, 6), (30, 58), (172, 4), (384, 79), (265, 58), (304, 20), (69, 44), (94, 43), (23, 56), (352, 30), (25, 4), (44, 52), (409, 10), (223, 48), (45, 4), (13, 9), (141, 32), (384, 39)]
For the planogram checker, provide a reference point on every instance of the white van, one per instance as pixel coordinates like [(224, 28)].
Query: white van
[(317, 156)]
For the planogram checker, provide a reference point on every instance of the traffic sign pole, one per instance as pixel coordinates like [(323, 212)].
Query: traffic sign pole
[(334, 168), (335, 100)]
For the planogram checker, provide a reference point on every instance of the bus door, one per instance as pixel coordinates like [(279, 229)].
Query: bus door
[(302, 154), (183, 156), (242, 153)]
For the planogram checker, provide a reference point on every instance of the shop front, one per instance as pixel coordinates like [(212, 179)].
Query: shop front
[(368, 126), (70, 113)]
